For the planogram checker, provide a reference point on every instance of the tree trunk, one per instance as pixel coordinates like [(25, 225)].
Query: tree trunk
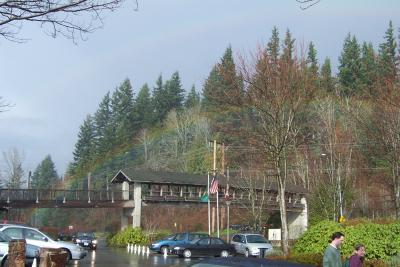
[(282, 208)]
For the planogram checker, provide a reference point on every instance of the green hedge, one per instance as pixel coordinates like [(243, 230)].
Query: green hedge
[(382, 241)]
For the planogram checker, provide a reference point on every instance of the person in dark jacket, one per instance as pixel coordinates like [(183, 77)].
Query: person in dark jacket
[(332, 256), (357, 259)]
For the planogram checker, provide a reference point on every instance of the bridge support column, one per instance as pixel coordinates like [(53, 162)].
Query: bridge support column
[(125, 190), (137, 198), (298, 221), (136, 212)]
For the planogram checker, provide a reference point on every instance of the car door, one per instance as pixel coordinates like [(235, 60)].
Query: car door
[(180, 239), (237, 242), (202, 247), (216, 247), (37, 238)]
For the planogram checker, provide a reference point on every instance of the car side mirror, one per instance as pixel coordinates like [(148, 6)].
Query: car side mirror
[(45, 239)]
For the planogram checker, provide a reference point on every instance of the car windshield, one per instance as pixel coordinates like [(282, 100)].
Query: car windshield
[(170, 237), (256, 239), (85, 235), (4, 237)]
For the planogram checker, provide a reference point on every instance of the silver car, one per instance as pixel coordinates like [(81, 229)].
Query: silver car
[(251, 244), (34, 237)]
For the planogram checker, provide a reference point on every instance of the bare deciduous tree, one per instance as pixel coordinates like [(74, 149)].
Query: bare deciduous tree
[(12, 174), (3, 105), (276, 92), (254, 196), (65, 17), (304, 4), (382, 125)]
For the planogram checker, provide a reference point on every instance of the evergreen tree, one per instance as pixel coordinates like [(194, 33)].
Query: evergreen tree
[(273, 46), (288, 47), (45, 175), (143, 108), (175, 93), (122, 110), (85, 146), (368, 69), (223, 90), (223, 85), (312, 61), (193, 98), (159, 101), (387, 56), (104, 129), (211, 93), (327, 82), (349, 66)]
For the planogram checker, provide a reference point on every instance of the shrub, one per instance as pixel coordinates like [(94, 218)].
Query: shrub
[(315, 239), (129, 235), (382, 241)]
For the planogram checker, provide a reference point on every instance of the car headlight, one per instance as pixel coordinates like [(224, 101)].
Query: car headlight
[(78, 240), (94, 241)]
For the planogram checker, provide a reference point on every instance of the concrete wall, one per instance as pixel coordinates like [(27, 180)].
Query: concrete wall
[(298, 221)]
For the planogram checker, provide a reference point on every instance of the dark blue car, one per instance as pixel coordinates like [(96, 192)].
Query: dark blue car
[(166, 244)]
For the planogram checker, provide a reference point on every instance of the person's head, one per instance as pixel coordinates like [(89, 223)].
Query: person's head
[(360, 250), (337, 239)]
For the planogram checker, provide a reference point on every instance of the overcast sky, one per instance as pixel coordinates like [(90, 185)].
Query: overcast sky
[(54, 83)]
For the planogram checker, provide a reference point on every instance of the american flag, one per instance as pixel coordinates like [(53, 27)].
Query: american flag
[(214, 185)]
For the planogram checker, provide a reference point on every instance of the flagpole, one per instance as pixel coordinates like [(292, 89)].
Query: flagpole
[(208, 204), (217, 216)]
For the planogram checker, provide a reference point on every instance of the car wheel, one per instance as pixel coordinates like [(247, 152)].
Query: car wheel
[(246, 253), (224, 254), (5, 263), (69, 256), (164, 250), (187, 253)]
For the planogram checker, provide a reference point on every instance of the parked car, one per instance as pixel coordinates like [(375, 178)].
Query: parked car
[(34, 237), (85, 239), (248, 262), (209, 246), (250, 244), (31, 251), (166, 244)]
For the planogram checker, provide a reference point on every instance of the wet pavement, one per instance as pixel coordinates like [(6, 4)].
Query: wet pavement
[(119, 257)]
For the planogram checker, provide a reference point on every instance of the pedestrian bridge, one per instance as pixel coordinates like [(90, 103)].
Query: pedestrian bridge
[(133, 188)]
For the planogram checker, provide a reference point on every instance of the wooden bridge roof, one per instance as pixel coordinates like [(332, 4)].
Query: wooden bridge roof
[(132, 175)]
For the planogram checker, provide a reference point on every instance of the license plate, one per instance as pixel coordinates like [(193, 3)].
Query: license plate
[(86, 244)]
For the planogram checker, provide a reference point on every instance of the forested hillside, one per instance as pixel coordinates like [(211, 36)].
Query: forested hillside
[(333, 131)]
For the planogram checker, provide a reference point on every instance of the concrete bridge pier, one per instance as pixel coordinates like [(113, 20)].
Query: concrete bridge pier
[(129, 212), (298, 221)]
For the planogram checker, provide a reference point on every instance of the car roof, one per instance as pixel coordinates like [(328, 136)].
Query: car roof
[(3, 225), (249, 234)]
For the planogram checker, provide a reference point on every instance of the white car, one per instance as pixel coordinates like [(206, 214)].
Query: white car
[(34, 237), (31, 251), (251, 244)]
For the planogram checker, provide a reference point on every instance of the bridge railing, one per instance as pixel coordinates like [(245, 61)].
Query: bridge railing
[(8, 195)]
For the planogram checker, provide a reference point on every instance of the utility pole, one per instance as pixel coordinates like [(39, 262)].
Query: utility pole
[(215, 177)]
